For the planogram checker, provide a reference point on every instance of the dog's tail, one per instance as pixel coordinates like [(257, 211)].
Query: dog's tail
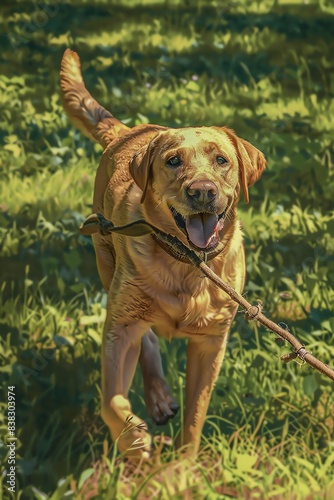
[(85, 113)]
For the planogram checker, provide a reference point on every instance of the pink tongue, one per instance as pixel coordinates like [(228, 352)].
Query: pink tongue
[(200, 228)]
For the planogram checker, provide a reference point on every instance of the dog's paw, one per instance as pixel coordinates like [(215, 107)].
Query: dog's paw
[(127, 430), (134, 441), (159, 401)]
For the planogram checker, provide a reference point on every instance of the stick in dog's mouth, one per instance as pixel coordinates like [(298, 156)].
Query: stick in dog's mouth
[(202, 229)]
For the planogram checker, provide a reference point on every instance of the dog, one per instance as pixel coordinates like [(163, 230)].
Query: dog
[(187, 183)]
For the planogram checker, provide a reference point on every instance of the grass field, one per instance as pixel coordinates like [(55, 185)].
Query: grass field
[(263, 68)]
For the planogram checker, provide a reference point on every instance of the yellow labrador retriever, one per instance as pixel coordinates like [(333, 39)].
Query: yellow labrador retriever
[(187, 183)]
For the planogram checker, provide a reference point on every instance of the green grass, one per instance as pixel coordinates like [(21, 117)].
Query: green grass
[(264, 69)]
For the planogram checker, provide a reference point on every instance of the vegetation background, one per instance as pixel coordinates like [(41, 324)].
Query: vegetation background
[(265, 69)]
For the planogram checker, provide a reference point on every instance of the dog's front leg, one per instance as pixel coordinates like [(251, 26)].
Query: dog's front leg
[(120, 352), (204, 359)]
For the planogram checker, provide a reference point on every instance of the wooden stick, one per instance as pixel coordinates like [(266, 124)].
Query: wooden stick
[(254, 312), (98, 223)]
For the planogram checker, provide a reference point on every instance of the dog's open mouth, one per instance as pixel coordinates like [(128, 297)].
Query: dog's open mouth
[(202, 230)]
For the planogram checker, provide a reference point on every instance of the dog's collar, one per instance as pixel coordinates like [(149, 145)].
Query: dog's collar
[(205, 256)]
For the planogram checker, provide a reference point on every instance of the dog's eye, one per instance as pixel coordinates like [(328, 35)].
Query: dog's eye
[(221, 160), (174, 161)]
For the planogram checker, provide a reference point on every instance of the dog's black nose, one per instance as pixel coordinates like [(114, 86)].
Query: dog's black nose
[(202, 191)]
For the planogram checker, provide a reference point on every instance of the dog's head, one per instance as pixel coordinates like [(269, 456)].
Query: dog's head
[(192, 177)]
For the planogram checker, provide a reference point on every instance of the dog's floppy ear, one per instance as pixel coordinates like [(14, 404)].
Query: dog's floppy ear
[(140, 167), (251, 161)]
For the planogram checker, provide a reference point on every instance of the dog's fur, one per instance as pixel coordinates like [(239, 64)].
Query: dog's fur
[(148, 290)]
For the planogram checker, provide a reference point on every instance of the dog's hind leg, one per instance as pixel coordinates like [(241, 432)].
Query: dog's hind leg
[(160, 403)]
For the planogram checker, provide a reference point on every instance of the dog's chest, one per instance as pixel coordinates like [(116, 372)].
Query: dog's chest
[(184, 301), (203, 310)]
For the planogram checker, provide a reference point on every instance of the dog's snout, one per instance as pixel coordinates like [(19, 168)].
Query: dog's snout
[(202, 191)]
